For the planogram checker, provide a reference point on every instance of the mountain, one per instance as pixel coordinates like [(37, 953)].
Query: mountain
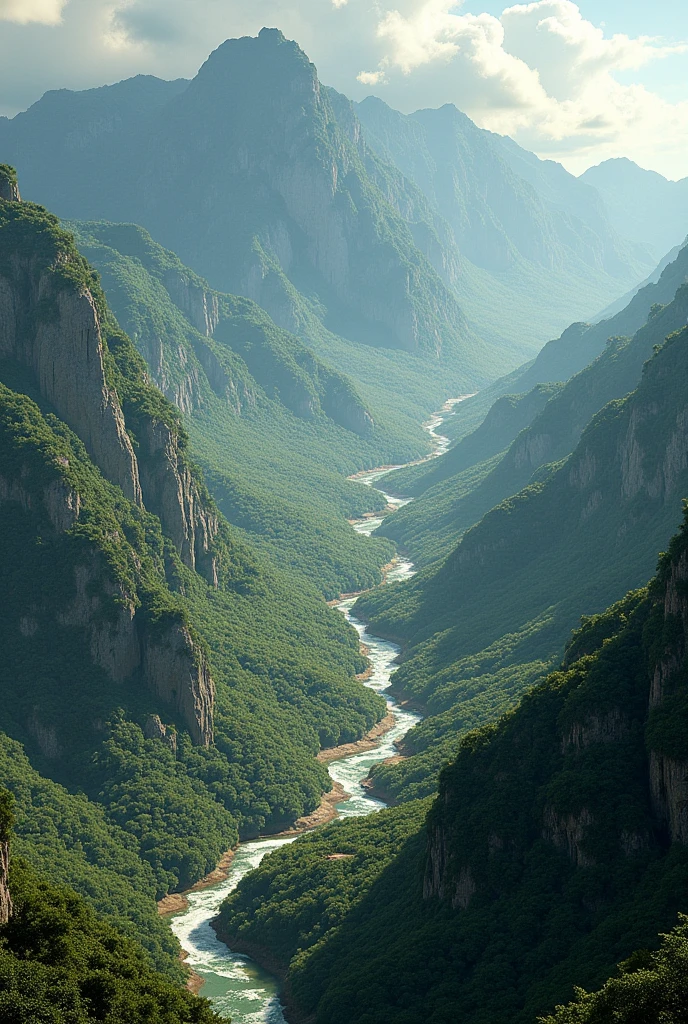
[(524, 229), (157, 703), (555, 848), (280, 208), (484, 622), (643, 205), (448, 508)]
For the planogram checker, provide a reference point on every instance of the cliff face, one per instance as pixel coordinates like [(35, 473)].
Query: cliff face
[(172, 492), (53, 331), (668, 769), (5, 898), (51, 326), (105, 612)]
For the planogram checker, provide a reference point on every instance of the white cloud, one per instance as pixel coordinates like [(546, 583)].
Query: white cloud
[(370, 77), (540, 71), (48, 12)]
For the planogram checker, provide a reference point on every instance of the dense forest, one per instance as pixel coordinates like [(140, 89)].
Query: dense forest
[(134, 790), (555, 848), (61, 962)]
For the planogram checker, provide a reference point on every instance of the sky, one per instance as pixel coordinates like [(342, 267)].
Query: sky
[(574, 82)]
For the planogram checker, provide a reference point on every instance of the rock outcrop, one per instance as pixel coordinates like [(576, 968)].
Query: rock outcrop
[(9, 189), (669, 774), (176, 669), (53, 330), (5, 897)]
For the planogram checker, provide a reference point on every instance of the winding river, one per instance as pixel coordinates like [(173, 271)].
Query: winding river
[(237, 986)]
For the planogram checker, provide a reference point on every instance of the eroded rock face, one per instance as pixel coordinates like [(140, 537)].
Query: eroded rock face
[(5, 898), (9, 190), (440, 881), (177, 671), (54, 331), (199, 306), (172, 493), (669, 775), (567, 832)]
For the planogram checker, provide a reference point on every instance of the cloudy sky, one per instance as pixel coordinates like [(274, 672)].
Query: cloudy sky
[(578, 82)]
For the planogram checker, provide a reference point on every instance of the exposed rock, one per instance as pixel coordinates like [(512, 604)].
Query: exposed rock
[(178, 672), (606, 728), (669, 776), (199, 306), (440, 880), (5, 897), (9, 189), (464, 889), (669, 787), (54, 331), (153, 729), (45, 736), (171, 491), (567, 832)]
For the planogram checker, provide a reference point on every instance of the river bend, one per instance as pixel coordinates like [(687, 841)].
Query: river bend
[(238, 987)]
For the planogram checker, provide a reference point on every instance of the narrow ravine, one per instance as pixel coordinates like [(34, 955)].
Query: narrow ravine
[(238, 987)]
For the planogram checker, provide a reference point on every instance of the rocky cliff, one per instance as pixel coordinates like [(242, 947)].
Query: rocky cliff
[(101, 601), (54, 332), (53, 320)]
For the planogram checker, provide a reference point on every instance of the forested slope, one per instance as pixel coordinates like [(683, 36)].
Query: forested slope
[(169, 686), (429, 527), (486, 621), (555, 848), (579, 345), (62, 963), (276, 429)]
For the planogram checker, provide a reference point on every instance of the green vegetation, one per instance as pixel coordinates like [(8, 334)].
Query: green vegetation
[(60, 963), (651, 988), (120, 816), (300, 894), (488, 621), (459, 489), (545, 858)]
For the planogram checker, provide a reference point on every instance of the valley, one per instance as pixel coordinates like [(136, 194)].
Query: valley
[(328, 697), (237, 986)]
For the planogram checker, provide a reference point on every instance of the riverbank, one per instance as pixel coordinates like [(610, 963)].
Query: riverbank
[(176, 902), (247, 983)]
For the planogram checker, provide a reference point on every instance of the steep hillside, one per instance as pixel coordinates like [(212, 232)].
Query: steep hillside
[(580, 343), (555, 848), (525, 229), (643, 205), (169, 687), (60, 962), (276, 429), (430, 526), (488, 620), (506, 418)]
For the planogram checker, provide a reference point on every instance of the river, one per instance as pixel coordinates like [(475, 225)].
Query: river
[(237, 986)]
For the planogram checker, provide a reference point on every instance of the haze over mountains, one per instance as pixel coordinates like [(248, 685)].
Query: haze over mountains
[(258, 289), (304, 213)]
